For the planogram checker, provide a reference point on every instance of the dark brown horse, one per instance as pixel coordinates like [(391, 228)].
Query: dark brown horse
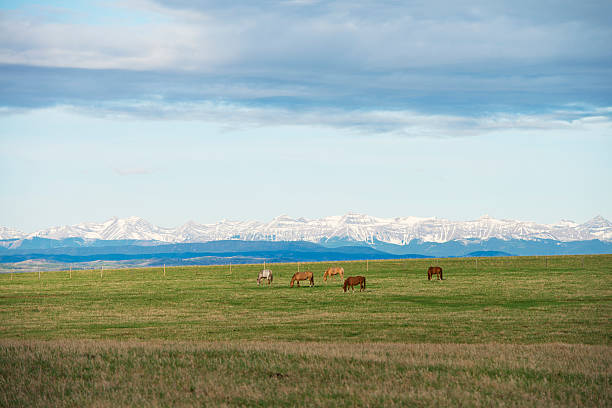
[(297, 277), (434, 270), (354, 280)]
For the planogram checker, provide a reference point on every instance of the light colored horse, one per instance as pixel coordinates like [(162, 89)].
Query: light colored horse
[(334, 270), (297, 277), (265, 274)]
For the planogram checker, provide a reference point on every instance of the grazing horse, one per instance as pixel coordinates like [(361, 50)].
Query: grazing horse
[(434, 270), (334, 270), (354, 280), (265, 274), (297, 277)]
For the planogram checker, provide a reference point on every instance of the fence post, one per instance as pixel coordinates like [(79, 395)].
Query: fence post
[(367, 266)]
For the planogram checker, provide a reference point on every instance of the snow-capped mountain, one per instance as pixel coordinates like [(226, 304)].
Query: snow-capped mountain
[(9, 233), (351, 227)]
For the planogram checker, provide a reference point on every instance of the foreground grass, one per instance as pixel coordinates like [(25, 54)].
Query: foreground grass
[(112, 373), (506, 300)]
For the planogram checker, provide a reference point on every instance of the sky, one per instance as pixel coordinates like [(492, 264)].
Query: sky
[(178, 110)]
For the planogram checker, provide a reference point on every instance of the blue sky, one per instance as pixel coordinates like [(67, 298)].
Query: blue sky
[(181, 110)]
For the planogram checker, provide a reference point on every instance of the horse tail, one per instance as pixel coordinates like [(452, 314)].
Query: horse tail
[(364, 283), (345, 284), (292, 280), (441, 278), (325, 275)]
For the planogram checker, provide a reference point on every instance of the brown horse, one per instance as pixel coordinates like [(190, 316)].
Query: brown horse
[(297, 277), (334, 270), (354, 280), (434, 270)]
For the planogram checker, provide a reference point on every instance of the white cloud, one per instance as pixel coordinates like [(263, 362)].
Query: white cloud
[(403, 123)]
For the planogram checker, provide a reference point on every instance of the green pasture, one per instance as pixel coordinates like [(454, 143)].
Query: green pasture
[(519, 300), (516, 331)]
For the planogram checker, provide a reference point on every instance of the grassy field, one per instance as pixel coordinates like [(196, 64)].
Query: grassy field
[(526, 331)]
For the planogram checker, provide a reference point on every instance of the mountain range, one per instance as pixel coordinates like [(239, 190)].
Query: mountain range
[(134, 242), (347, 228)]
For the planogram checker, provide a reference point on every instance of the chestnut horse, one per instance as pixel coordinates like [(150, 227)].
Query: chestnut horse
[(297, 277), (334, 270), (354, 280), (434, 270), (265, 274)]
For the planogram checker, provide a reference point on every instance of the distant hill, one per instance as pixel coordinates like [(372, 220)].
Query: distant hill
[(487, 253), (55, 253), (511, 246), (222, 251)]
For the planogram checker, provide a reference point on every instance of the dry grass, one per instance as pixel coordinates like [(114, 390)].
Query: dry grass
[(112, 373)]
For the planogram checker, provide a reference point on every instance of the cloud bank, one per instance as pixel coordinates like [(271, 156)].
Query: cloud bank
[(384, 66)]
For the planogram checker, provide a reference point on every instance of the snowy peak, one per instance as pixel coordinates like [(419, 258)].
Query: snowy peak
[(112, 229), (597, 226), (597, 222), (9, 233), (350, 227)]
